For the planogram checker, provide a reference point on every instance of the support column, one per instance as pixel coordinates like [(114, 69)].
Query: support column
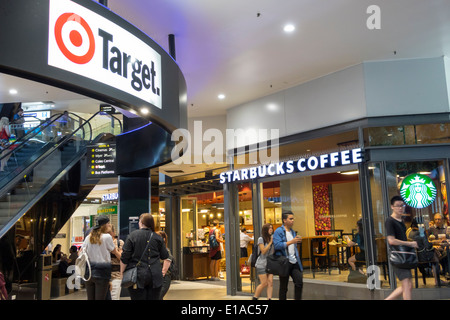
[(134, 199), (232, 238)]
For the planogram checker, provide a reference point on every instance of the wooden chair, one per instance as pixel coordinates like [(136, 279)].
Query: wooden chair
[(322, 252), (382, 258)]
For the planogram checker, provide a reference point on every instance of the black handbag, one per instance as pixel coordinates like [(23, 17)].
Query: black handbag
[(130, 275), (278, 265), (403, 257)]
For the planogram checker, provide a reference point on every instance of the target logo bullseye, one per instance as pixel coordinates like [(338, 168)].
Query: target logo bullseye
[(74, 38)]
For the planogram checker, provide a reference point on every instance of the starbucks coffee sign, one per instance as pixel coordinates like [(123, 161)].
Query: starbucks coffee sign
[(418, 191)]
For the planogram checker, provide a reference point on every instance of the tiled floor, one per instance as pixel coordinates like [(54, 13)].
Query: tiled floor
[(182, 290)]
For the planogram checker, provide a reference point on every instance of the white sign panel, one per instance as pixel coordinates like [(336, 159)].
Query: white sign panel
[(83, 42)]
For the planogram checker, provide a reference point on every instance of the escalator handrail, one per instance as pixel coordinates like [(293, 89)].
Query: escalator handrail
[(35, 132), (26, 137), (19, 175)]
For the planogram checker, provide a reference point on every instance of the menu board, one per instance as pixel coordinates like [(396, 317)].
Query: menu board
[(101, 160)]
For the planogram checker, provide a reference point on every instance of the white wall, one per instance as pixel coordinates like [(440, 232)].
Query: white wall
[(370, 89), (414, 86)]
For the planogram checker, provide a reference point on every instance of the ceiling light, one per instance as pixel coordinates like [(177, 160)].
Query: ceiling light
[(272, 107), (221, 96), (12, 91), (350, 172), (289, 28), (144, 111)]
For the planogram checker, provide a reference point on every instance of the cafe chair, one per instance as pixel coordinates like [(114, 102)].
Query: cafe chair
[(421, 266), (323, 254)]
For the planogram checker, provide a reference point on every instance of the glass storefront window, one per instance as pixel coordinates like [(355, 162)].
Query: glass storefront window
[(188, 221), (326, 208), (426, 216), (379, 215), (407, 135), (245, 222), (199, 212)]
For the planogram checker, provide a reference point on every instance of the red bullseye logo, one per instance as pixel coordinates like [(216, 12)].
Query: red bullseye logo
[(74, 38)]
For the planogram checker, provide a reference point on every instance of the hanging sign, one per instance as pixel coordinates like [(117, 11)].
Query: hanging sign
[(101, 161), (418, 190)]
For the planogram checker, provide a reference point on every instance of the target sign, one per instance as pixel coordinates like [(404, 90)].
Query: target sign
[(85, 43), (74, 38)]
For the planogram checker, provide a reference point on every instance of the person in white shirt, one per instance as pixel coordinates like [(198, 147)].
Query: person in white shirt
[(245, 240), (99, 246)]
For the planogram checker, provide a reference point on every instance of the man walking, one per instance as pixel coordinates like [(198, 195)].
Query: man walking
[(285, 243), (396, 236)]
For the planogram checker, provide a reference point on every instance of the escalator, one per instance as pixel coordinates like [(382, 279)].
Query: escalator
[(42, 184)]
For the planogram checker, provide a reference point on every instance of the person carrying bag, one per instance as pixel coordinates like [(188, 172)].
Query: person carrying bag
[(285, 242), (140, 263), (402, 253)]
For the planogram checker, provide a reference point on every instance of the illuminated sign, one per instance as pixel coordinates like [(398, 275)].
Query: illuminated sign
[(101, 160), (85, 43), (312, 163), (110, 197), (418, 190)]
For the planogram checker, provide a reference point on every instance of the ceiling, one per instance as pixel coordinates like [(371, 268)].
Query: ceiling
[(239, 48)]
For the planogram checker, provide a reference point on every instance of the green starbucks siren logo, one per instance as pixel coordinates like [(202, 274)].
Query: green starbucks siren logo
[(418, 190)]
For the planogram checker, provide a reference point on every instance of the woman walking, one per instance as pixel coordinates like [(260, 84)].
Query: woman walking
[(145, 248), (99, 246), (265, 247)]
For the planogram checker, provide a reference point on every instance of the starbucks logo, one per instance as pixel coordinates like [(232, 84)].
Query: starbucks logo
[(418, 191)]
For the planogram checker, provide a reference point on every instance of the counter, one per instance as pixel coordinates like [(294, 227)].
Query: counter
[(196, 262)]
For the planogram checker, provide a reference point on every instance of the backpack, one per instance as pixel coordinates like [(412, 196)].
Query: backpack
[(173, 270), (425, 251), (80, 265), (213, 244), (254, 256)]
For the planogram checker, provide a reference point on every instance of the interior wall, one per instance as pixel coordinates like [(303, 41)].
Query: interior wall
[(347, 208), (301, 204)]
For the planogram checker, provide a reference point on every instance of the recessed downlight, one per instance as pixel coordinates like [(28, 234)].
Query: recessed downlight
[(221, 96), (289, 28), (13, 91), (144, 111)]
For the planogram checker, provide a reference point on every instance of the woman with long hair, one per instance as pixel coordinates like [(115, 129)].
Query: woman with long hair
[(99, 246), (265, 247), (145, 248)]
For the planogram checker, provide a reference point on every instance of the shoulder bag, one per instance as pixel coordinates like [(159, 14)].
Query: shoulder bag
[(129, 278), (403, 257), (278, 264), (80, 265)]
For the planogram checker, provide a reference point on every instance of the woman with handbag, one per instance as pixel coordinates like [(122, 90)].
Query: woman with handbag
[(265, 247), (143, 251), (99, 245), (396, 236)]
